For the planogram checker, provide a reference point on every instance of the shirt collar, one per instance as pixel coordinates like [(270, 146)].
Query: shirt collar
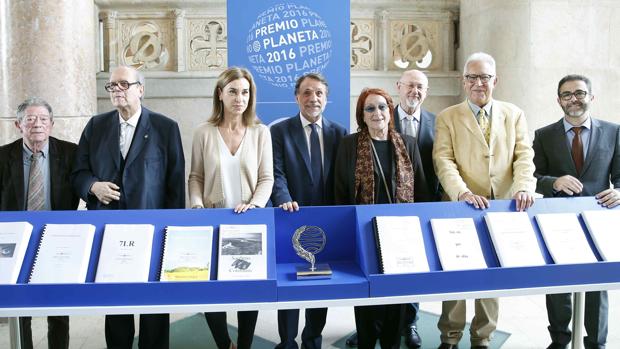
[(567, 126), (476, 109), (133, 120), (402, 114), (45, 150), (305, 122)]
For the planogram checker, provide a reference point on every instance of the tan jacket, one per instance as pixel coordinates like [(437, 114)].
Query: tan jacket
[(205, 177), (464, 162)]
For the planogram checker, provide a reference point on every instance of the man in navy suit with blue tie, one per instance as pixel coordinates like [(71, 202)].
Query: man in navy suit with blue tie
[(578, 156), (131, 158), (304, 151)]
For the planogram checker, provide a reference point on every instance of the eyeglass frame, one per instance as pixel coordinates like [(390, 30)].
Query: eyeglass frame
[(567, 96), (372, 108), (44, 119), (473, 78), (417, 87), (109, 86)]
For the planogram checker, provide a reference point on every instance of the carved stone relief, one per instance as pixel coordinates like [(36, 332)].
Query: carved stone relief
[(385, 35), (363, 44), (414, 45), (206, 44), (147, 42)]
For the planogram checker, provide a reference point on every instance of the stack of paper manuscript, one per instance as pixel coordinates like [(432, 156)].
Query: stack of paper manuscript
[(187, 254), (603, 226), (242, 252), (457, 244), (564, 238), (14, 237), (125, 253), (514, 239), (63, 254), (400, 244)]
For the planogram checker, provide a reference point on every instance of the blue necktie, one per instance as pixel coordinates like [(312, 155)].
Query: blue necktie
[(316, 163)]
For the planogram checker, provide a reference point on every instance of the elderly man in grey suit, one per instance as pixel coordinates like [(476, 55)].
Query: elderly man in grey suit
[(413, 120), (578, 156)]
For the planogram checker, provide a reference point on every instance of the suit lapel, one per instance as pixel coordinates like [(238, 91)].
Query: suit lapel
[(111, 139), (397, 120), (467, 120), (596, 136), (54, 160), (425, 134), (329, 137), (299, 138), (498, 117), (17, 172), (140, 138), (564, 152)]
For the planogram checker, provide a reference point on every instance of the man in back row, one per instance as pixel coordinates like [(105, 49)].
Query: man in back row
[(578, 156), (413, 120)]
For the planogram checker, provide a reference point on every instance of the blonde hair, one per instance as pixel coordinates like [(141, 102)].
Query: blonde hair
[(227, 76)]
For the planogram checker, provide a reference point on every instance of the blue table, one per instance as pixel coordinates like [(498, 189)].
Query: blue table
[(350, 251)]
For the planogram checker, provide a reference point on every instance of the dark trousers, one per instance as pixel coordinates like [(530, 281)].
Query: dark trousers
[(411, 314), (311, 338), (382, 322), (560, 311), (154, 331), (57, 332), (219, 328)]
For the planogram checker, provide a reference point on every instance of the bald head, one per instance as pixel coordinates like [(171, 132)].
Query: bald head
[(126, 87), (412, 89)]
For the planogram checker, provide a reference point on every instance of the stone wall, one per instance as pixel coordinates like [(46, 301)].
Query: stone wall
[(536, 43), (182, 47)]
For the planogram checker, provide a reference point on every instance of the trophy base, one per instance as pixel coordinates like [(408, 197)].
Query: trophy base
[(321, 271)]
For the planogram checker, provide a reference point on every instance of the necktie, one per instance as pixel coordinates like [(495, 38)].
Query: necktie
[(485, 126), (36, 190), (577, 149), (124, 143), (316, 163), (410, 127)]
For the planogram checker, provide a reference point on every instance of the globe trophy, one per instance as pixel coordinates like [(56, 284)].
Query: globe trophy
[(308, 241)]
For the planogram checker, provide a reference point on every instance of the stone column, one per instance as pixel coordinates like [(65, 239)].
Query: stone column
[(536, 43), (47, 49)]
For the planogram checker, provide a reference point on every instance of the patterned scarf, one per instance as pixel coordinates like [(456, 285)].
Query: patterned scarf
[(364, 170)]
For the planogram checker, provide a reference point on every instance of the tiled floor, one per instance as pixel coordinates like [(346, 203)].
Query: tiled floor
[(523, 317)]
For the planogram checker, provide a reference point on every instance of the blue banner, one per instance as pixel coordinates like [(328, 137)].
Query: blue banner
[(280, 41)]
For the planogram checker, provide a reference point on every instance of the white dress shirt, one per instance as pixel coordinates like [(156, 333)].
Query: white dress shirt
[(127, 130)]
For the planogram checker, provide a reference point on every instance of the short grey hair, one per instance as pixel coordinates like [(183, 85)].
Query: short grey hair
[(32, 102), (138, 75), (479, 57)]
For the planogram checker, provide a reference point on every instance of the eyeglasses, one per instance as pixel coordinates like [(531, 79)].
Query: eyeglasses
[(372, 108), (32, 119), (122, 85), (412, 86), (484, 78), (579, 94)]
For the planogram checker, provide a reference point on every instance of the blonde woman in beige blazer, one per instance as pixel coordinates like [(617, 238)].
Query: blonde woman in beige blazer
[(232, 166)]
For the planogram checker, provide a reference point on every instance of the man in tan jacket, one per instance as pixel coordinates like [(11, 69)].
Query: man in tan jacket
[(482, 151)]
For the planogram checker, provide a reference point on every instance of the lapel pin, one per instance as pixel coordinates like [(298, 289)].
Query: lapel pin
[(146, 136)]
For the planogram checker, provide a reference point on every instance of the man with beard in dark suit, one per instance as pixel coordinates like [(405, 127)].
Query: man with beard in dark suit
[(578, 156)]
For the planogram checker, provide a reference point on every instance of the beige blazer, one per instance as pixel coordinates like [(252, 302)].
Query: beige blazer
[(205, 177), (464, 162)]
